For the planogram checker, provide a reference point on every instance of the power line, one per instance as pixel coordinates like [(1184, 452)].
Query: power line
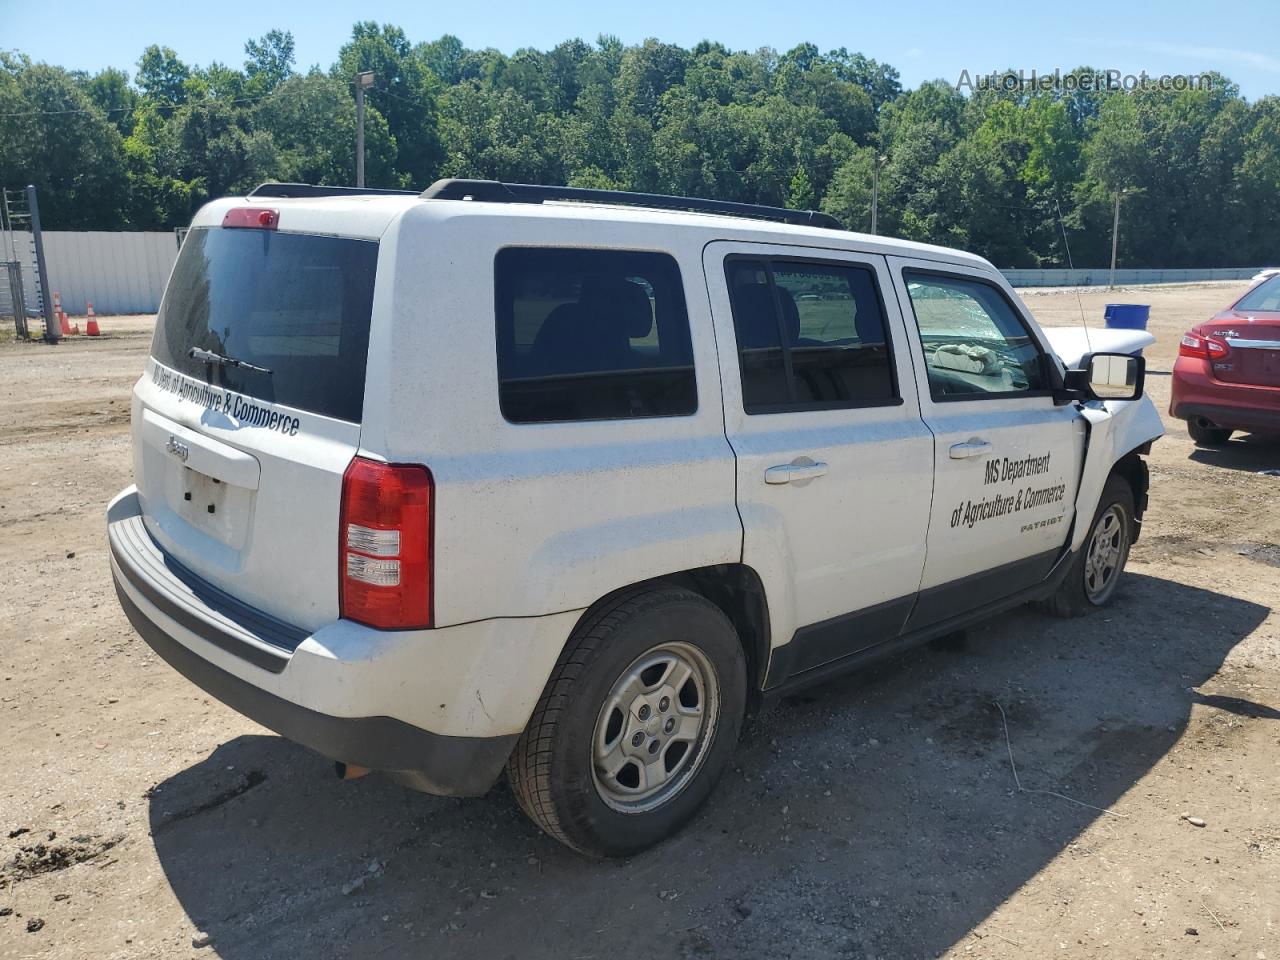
[(194, 102), (157, 106), (61, 113), (408, 100)]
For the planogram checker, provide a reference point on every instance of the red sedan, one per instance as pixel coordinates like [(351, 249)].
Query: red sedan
[(1227, 376)]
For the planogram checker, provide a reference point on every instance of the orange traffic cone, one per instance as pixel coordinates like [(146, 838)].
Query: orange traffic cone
[(91, 325), (63, 325)]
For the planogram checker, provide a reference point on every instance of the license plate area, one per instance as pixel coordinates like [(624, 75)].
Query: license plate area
[(1270, 366), (1257, 367), (217, 509)]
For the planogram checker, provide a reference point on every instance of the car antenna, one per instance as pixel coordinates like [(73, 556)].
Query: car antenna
[(1088, 345)]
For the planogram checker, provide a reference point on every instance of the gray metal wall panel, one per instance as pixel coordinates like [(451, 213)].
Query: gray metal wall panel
[(116, 272), (126, 272), (1100, 276)]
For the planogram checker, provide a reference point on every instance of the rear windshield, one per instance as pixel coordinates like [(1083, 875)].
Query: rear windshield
[(1265, 296), (297, 306)]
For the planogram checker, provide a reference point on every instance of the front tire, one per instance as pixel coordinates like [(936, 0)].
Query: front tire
[(1094, 575), (1205, 434), (636, 724)]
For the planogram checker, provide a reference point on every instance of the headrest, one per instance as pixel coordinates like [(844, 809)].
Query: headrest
[(868, 318), (624, 301), (754, 316), (562, 341), (790, 315), (561, 327)]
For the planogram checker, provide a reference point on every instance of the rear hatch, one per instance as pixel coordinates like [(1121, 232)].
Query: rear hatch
[(1251, 332), (250, 411)]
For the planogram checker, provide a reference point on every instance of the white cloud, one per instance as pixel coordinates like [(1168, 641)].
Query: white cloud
[(1218, 56)]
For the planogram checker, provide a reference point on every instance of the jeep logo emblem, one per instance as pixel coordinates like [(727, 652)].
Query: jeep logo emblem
[(178, 448)]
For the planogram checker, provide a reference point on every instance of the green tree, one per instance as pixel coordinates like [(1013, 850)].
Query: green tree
[(1000, 171), (849, 197), (268, 62), (312, 121), (404, 92), (217, 81), (162, 77), (800, 192), (647, 72), (110, 90), (444, 58), (53, 135), (878, 80), (156, 200), (497, 136), (1258, 176), (566, 73), (202, 149), (1174, 156)]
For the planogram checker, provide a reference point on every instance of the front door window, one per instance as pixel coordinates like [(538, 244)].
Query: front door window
[(974, 344)]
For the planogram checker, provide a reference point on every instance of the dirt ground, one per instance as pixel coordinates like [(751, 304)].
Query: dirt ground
[(875, 817)]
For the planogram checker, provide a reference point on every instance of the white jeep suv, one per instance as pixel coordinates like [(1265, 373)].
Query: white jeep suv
[(565, 481)]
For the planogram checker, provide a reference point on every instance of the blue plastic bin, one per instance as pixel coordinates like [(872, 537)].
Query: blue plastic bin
[(1127, 316)]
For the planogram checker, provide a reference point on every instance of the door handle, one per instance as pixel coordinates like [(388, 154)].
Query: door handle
[(802, 468), (973, 447)]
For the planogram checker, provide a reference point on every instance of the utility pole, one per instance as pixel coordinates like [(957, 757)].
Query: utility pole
[(363, 79), (875, 192), (1115, 234)]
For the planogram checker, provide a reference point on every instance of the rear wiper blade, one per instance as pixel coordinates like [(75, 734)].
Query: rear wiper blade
[(208, 356)]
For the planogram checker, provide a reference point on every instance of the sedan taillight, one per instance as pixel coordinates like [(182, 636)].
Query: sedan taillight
[(1204, 348)]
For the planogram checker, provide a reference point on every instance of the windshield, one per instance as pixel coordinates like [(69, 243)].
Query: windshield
[(293, 308)]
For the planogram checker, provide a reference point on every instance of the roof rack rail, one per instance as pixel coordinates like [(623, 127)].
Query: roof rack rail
[(494, 191), (302, 190)]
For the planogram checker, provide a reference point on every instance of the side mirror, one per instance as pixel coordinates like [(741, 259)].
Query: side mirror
[(1109, 376)]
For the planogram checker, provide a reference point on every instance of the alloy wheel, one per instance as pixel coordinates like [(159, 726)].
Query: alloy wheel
[(654, 727)]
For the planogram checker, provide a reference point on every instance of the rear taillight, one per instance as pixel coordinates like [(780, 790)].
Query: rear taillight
[(257, 218), (385, 543), (1202, 347)]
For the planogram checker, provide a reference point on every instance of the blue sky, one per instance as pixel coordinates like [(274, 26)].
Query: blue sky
[(923, 39)]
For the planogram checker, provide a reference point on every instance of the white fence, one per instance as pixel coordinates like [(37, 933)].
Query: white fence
[(116, 272), (126, 272), (1101, 276)]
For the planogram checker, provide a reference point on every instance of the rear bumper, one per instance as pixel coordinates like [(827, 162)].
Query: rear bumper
[(1239, 406), (1236, 418), (450, 766), (439, 709)]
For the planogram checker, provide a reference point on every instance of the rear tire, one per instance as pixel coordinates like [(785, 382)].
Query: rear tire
[(1206, 434), (1092, 579), (636, 724)]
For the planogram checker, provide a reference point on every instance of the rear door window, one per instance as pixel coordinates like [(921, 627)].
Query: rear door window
[(591, 335), (811, 335), (295, 305)]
